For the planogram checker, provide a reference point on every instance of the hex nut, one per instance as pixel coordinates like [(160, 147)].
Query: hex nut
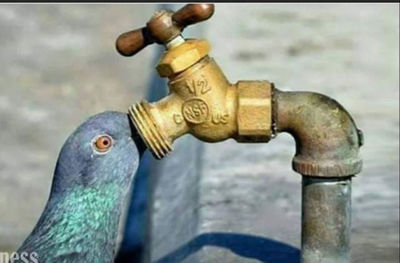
[(254, 114), (179, 58)]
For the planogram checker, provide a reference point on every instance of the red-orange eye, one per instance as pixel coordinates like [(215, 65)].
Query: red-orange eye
[(103, 143)]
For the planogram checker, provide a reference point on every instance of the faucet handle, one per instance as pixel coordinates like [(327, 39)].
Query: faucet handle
[(130, 43), (192, 13), (162, 28)]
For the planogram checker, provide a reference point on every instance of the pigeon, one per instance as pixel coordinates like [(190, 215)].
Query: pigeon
[(92, 177)]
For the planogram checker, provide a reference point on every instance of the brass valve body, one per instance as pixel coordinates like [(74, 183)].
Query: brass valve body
[(203, 103)]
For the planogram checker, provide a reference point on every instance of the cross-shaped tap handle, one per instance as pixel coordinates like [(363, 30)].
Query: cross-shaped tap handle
[(162, 28)]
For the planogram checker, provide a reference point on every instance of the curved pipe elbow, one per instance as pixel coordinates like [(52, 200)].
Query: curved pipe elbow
[(327, 140)]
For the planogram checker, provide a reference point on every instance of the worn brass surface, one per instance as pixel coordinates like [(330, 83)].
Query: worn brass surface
[(203, 103), (254, 113)]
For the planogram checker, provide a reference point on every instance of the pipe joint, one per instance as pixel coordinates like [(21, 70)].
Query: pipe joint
[(327, 140)]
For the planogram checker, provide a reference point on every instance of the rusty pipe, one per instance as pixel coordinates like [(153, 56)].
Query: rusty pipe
[(326, 220), (327, 146), (327, 139)]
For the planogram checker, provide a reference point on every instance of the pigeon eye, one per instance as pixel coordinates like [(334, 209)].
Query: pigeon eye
[(103, 143)]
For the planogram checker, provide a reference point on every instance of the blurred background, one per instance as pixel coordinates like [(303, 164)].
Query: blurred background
[(59, 66)]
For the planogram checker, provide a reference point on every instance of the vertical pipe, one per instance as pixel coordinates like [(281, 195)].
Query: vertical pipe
[(326, 220)]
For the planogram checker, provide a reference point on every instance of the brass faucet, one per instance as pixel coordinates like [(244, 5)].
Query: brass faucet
[(201, 100), (203, 103)]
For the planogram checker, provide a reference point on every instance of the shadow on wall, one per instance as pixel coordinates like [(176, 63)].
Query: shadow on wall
[(255, 247)]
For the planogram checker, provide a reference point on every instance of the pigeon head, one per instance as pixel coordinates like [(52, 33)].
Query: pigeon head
[(103, 150), (94, 171)]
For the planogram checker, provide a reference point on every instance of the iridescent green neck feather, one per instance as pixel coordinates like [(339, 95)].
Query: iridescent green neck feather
[(77, 225)]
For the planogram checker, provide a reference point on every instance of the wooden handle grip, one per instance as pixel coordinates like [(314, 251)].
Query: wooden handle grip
[(192, 14), (163, 27), (130, 43)]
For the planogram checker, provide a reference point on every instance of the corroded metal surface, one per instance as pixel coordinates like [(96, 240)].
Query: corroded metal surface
[(327, 139), (326, 220)]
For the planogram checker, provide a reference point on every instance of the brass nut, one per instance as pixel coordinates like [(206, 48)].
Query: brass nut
[(181, 57), (254, 114)]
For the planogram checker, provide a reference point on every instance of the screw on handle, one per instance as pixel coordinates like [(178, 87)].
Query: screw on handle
[(162, 28)]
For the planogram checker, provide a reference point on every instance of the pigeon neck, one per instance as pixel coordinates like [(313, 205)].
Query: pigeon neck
[(92, 211)]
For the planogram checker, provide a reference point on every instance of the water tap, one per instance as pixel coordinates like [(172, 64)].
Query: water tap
[(201, 100)]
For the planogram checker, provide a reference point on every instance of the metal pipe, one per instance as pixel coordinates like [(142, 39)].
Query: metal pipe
[(327, 155), (327, 139), (326, 220)]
